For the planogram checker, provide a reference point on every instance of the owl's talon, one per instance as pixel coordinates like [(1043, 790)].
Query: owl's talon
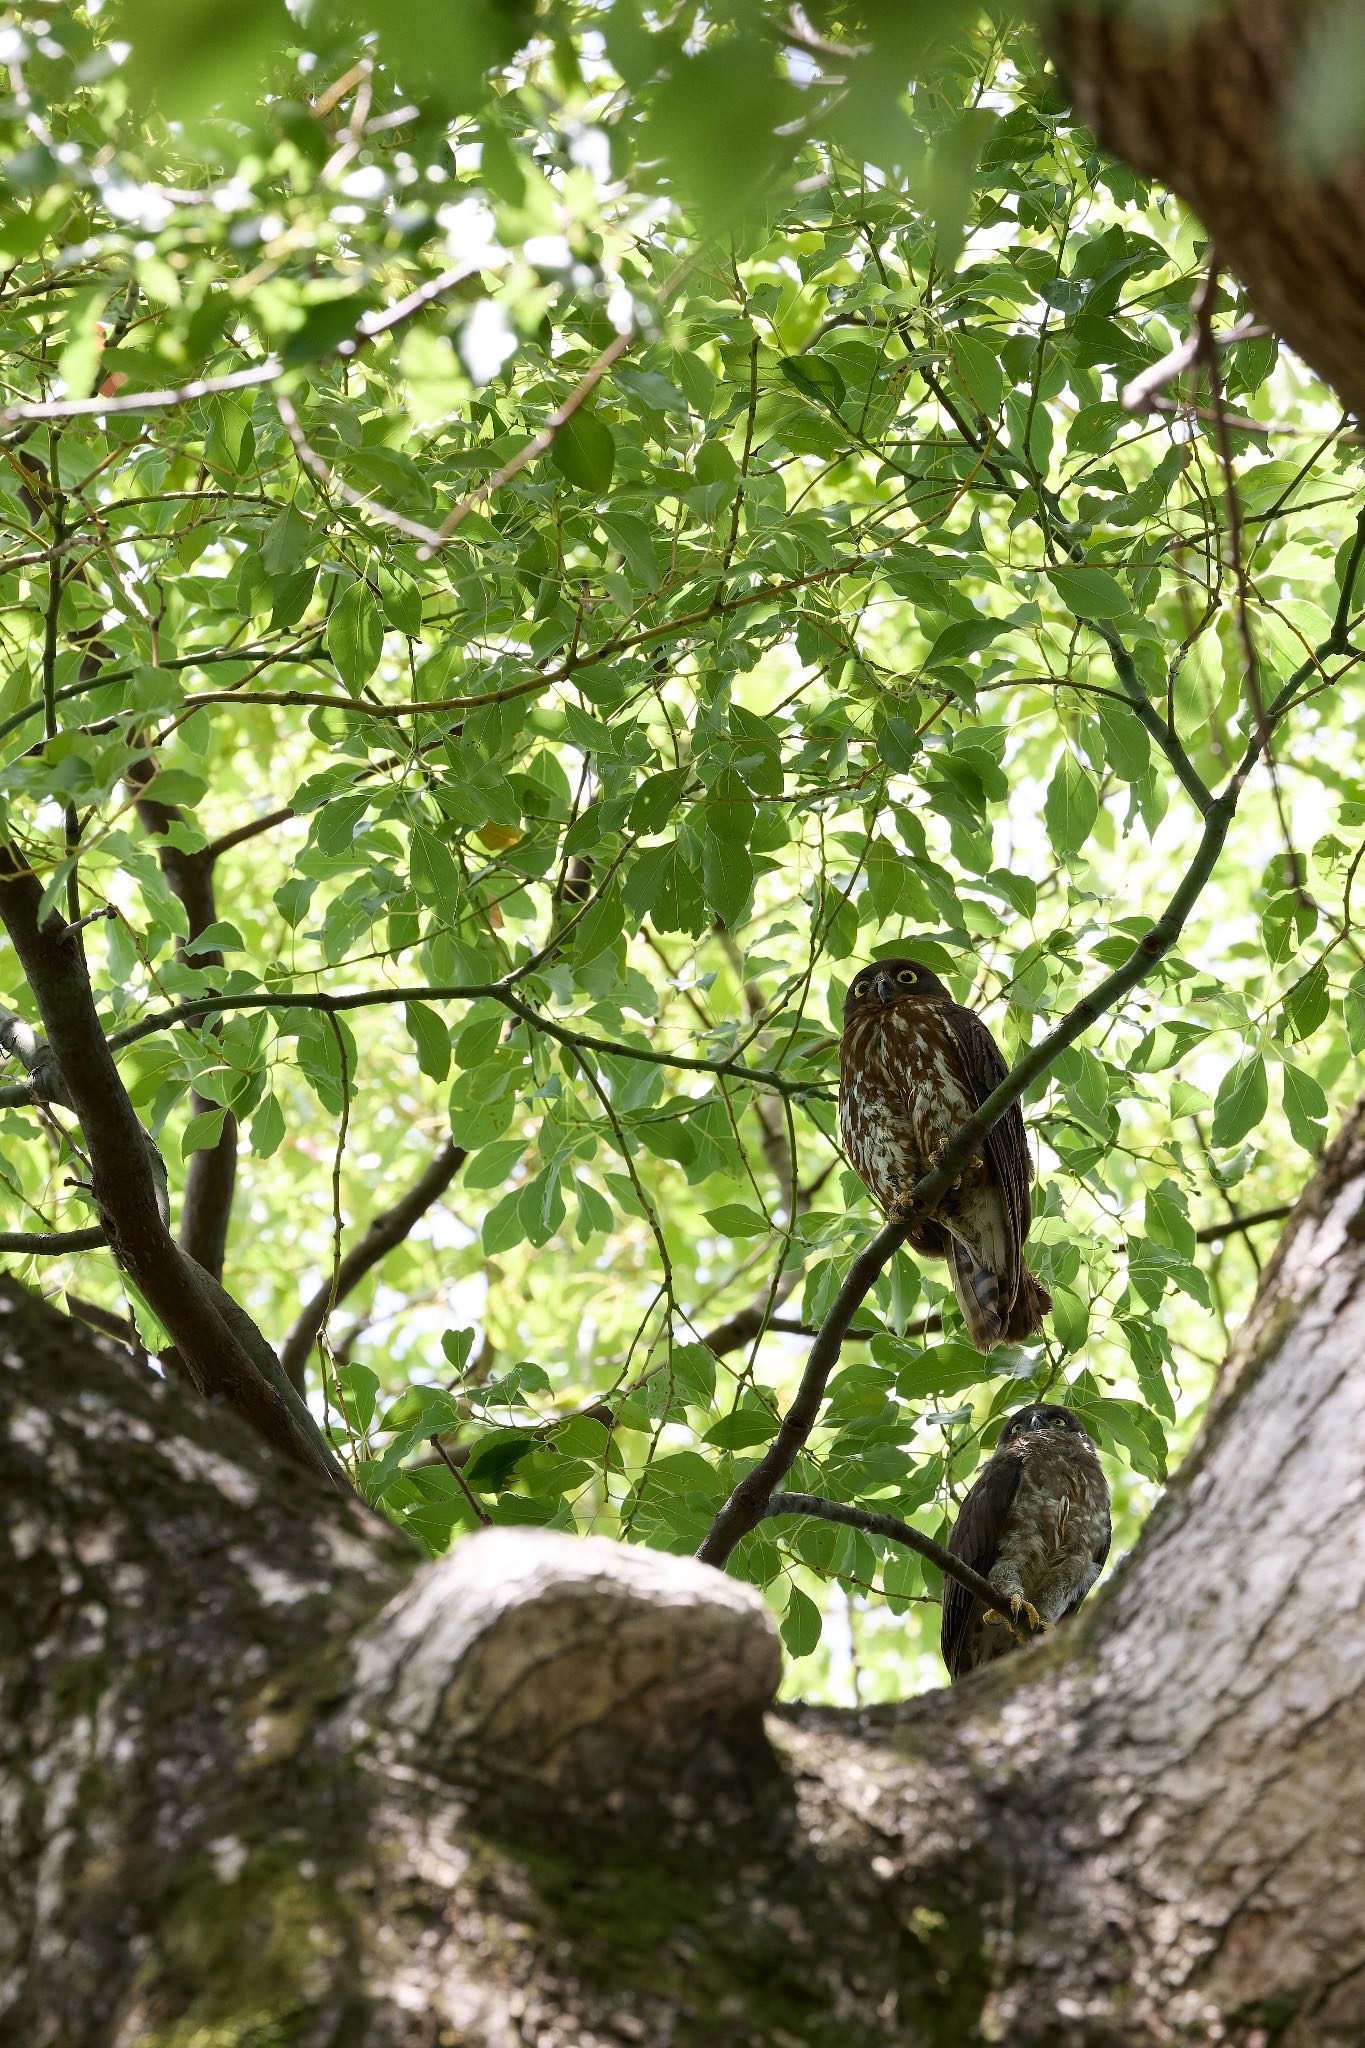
[(1019, 1605)]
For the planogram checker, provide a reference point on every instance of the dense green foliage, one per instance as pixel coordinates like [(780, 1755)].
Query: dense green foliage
[(812, 630)]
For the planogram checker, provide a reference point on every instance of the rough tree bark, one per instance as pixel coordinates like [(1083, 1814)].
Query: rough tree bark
[(265, 1779), (1212, 112)]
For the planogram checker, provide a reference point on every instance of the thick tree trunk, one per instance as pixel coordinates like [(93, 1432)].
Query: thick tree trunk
[(265, 1779), (1216, 101)]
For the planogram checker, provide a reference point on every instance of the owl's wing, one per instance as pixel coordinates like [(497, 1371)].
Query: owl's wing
[(1007, 1152), (1099, 1492), (975, 1538)]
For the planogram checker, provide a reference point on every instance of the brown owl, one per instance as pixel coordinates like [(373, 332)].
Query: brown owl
[(913, 1065), (1036, 1524)]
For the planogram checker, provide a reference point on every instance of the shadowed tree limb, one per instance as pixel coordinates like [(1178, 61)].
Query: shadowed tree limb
[(221, 1349), (211, 1174), (382, 1234), (1245, 1220), (1186, 774), (749, 1502), (52, 1243)]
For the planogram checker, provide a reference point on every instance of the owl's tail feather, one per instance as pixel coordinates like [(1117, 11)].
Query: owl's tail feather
[(977, 1288), (1031, 1304), (990, 1321)]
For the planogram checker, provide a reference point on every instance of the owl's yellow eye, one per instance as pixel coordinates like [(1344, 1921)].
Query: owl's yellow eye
[(1061, 1422), (860, 988), (906, 974)]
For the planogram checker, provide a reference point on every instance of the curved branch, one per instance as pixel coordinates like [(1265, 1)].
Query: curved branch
[(270, 371), (749, 1502), (892, 1528), (1186, 774), (199, 1007), (382, 1234)]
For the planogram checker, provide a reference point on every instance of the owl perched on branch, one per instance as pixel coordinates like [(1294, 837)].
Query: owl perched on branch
[(913, 1066), (1036, 1525)]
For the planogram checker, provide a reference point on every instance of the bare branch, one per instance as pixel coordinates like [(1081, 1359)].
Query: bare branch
[(481, 1514), (749, 1502), (1243, 1221), (196, 1008), (382, 1234), (43, 1244), (211, 1174), (893, 1529), (269, 372), (383, 515)]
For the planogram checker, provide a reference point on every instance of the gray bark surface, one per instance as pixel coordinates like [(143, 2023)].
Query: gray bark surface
[(267, 1779)]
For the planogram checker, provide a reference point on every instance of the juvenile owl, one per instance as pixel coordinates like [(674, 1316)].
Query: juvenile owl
[(1036, 1524), (913, 1066)]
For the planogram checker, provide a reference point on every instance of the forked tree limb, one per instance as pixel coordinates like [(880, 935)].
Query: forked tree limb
[(221, 1349)]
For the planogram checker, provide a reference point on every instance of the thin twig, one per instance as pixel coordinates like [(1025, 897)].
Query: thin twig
[(270, 371), (460, 1480), (382, 1235), (893, 1529), (317, 468)]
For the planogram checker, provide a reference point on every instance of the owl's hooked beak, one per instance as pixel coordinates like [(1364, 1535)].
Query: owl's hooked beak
[(884, 985)]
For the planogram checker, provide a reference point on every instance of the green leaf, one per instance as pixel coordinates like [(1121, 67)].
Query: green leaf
[(694, 1369), (1355, 1012), (584, 452), (202, 1132), (456, 1346), (355, 636), (267, 1127), (979, 373), (801, 1624), (1241, 1101), (1070, 1318), (1305, 1109), (815, 377), (435, 876), (495, 1458), (359, 1386), (503, 1226), (1135, 1428), (727, 878), (1090, 593), (431, 1035), (948, 1368), (1071, 806), (732, 1219), (1307, 1004), (287, 540), (741, 1429), (1126, 746)]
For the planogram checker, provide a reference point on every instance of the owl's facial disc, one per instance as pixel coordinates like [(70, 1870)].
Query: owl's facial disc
[(888, 981)]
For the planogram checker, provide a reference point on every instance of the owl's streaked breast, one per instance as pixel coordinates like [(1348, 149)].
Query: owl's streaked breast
[(902, 1094)]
